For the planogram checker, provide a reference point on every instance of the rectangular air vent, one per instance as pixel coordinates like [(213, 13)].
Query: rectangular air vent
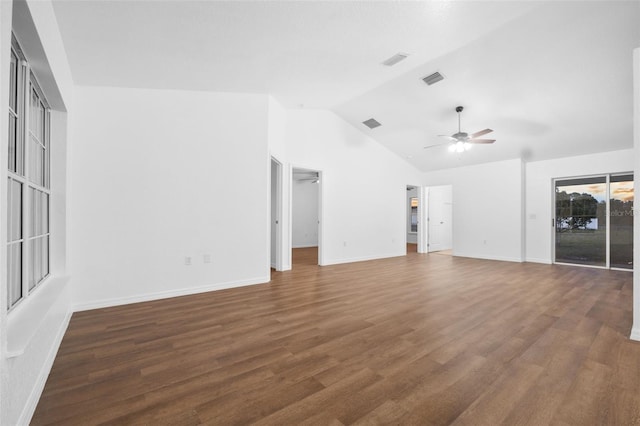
[(395, 59), (433, 78), (371, 123)]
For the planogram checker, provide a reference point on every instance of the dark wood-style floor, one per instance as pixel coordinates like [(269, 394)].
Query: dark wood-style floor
[(421, 339)]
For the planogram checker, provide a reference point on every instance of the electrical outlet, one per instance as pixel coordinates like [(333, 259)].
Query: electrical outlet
[(206, 258), (345, 243), (187, 261)]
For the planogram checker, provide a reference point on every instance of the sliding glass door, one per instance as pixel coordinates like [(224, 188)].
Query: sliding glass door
[(581, 235), (594, 221), (621, 220)]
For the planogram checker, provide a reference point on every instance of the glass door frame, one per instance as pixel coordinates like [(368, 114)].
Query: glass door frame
[(607, 177)]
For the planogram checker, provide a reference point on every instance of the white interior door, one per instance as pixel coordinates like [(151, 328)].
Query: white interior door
[(440, 218)]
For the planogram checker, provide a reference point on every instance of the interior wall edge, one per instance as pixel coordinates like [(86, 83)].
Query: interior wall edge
[(635, 331)]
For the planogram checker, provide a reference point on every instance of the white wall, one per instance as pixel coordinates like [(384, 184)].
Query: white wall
[(539, 193), (277, 148), (277, 127), (31, 333), (412, 237), (363, 187), (487, 209), (304, 214), (159, 176)]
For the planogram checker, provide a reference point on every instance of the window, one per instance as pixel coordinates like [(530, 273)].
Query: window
[(28, 192)]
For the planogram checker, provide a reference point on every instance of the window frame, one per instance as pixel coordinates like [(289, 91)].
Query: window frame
[(25, 173)]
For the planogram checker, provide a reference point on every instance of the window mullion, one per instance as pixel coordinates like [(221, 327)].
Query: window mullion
[(47, 151), (26, 202), (22, 111)]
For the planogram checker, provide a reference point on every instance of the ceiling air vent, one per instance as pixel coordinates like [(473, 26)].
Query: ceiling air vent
[(371, 123), (395, 59), (433, 78)]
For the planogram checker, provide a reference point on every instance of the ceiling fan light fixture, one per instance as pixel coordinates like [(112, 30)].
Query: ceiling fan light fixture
[(460, 146), (461, 141)]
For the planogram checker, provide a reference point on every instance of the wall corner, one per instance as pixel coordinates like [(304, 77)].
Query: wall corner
[(635, 331)]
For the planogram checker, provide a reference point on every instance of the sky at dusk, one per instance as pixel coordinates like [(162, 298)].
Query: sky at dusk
[(622, 191)]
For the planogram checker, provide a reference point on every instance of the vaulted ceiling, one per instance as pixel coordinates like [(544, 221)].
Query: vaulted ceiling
[(552, 79)]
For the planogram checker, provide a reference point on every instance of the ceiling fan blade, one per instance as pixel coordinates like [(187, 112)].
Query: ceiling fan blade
[(480, 133), (481, 140), (438, 144), (451, 138)]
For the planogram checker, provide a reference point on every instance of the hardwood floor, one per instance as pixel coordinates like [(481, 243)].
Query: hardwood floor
[(421, 339)]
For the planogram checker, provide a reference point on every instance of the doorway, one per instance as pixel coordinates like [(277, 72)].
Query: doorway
[(306, 185), (412, 203), (440, 219), (275, 217)]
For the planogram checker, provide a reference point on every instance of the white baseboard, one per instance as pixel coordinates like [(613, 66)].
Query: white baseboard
[(635, 334), (36, 392), (360, 259), (107, 303), (484, 257), (538, 260), (304, 245)]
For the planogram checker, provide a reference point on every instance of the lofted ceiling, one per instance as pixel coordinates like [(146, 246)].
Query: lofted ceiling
[(552, 79), (555, 82)]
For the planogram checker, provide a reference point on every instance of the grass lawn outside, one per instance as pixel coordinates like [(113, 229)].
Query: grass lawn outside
[(588, 247)]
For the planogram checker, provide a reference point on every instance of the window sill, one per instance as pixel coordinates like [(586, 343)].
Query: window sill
[(25, 319)]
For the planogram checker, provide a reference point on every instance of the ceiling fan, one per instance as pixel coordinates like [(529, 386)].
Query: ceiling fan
[(461, 141)]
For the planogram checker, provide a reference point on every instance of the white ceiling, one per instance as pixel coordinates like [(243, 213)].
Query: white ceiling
[(552, 79), (555, 82)]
